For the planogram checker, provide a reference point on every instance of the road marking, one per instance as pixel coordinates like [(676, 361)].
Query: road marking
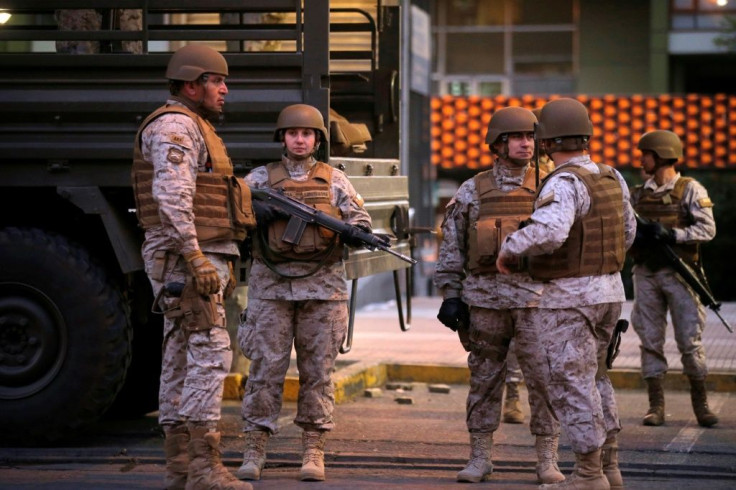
[(688, 436)]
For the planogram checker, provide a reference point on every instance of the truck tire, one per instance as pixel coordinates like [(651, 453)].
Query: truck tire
[(65, 341)]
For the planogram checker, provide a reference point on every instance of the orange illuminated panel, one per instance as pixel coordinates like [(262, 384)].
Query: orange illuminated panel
[(703, 122)]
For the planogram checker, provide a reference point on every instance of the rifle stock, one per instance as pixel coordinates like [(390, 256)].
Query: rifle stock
[(301, 215), (690, 277)]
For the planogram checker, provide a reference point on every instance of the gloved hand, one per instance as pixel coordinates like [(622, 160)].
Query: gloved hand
[(231, 282), (655, 231), (385, 238), (205, 274), (350, 236), (267, 213), (454, 314)]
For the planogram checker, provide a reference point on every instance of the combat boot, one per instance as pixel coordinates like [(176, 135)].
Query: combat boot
[(547, 469), (479, 468), (698, 396), (512, 413), (587, 474), (609, 461), (254, 456), (177, 456), (655, 415), (313, 459), (206, 471)]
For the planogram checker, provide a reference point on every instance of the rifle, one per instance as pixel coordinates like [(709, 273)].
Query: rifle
[(301, 215), (689, 276)]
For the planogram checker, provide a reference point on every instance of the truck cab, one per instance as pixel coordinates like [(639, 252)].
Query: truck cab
[(77, 335)]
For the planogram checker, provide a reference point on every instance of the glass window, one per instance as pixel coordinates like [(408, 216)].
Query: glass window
[(683, 4), (680, 21), (529, 12), (474, 12), (489, 89), (459, 88), (475, 53), (538, 45)]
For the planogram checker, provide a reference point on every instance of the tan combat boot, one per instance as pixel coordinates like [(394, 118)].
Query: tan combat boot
[(512, 413), (698, 396), (313, 459), (206, 471), (609, 461), (254, 456), (655, 415), (177, 456), (547, 469), (479, 468), (587, 475)]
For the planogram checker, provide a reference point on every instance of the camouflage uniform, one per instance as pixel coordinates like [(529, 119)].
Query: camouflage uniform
[(656, 291), (576, 316), (500, 308), (194, 364), (310, 312), (91, 20)]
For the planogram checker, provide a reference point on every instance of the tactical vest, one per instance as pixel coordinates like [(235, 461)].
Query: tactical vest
[(222, 203), (667, 210), (595, 245), (499, 213), (317, 244)]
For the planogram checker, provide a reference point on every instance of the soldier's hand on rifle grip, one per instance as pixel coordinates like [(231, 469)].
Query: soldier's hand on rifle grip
[(351, 238), (385, 238), (267, 213), (205, 274), (454, 314)]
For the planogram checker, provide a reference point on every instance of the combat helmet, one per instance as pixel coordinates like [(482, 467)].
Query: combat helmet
[(665, 144), (300, 116), (564, 117), (510, 120), (193, 60)]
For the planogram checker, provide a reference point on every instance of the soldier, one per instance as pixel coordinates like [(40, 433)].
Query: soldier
[(297, 295), (575, 241), (488, 309), (681, 215), (194, 216)]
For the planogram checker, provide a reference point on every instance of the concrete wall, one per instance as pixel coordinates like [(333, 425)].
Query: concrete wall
[(614, 47)]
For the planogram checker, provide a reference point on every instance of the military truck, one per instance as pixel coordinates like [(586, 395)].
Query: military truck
[(77, 335)]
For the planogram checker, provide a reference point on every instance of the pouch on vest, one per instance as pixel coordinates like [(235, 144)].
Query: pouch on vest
[(241, 205), (196, 312)]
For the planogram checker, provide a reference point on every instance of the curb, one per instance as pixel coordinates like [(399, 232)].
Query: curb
[(352, 380)]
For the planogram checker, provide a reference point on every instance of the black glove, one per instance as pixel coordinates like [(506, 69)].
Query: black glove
[(350, 236), (385, 238), (266, 213), (454, 314), (655, 231)]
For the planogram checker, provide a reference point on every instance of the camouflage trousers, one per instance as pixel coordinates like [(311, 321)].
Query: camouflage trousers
[(488, 343), (316, 329), (194, 364), (654, 293), (573, 341), (513, 370)]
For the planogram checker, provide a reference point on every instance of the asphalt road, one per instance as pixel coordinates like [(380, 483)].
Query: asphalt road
[(381, 443)]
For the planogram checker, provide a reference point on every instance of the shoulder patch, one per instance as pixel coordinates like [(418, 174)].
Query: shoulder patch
[(175, 156), (705, 202), (358, 200), (546, 199), (176, 139)]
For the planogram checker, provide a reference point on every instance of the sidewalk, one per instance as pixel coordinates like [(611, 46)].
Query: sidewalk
[(378, 339), (429, 352)]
